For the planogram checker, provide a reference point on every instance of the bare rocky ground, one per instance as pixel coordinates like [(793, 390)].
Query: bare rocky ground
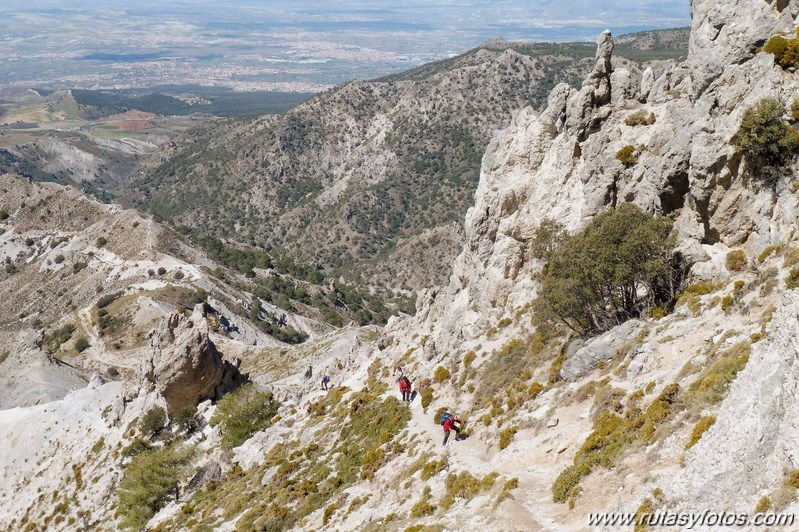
[(353, 458)]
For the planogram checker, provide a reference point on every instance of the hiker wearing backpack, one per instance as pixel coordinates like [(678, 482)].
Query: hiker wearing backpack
[(325, 381), (405, 388), (448, 423)]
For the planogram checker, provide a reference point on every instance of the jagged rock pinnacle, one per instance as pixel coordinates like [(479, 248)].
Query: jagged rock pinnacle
[(185, 366)]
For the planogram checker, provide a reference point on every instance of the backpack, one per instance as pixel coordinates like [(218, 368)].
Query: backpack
[(406, 382), (445, 416)]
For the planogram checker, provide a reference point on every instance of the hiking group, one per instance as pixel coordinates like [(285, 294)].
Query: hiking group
[(448, 421)]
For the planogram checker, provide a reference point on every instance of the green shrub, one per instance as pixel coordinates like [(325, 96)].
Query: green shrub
[(703, 288), (713, 383), (150, 481), (81, 344), (657, 313), (161, 270), (765, 138), (59, 259), (422, 508), (154, 421), (465, 486), (179, 275), (243, 413), (699, 429), (101, 242), (548, 237), (3, 215), (791, 257), (137, 446), (736, 260), (433, 468), (555, 367), (597, 279), (441, 374), (372, 461), (468, 358), (427, 397), (535, 389), (59, 336), (509, 370), (186, 419), (107, 299), (767, 252), (509, 486), (658, 411), (792, 279), (792, 479), (727, 302), (506, 436), (627, 156), (371, 424), (640, 118), (785, 51), (763, 505)]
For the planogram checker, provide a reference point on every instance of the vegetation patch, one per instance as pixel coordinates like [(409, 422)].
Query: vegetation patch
[(640, 118), (153, 421), (766, 139), (784, 50), (441, 374), (713, 383), (699, 429), (612, 434), (150, 481), (628, 156), (243, 413), (506, 437), (466, 487), (507, 374), (736, 260)]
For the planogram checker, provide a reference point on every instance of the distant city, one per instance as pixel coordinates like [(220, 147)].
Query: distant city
[(301, 46)]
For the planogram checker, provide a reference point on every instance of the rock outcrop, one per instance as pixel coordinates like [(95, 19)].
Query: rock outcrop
[(561, 163), (728, 33), (30, 376), (754, 437), (185, 366)]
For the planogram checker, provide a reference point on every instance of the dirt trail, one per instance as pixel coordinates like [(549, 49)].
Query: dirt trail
[(469, 454)]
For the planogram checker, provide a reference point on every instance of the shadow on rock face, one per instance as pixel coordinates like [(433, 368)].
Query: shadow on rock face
[(185, 366)]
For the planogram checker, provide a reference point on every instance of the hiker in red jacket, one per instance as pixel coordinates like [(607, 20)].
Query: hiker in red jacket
[(405, 388), (451, 423)]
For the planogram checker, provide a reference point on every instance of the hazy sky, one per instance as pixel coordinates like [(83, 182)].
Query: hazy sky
[(307, 43), (463, 13)]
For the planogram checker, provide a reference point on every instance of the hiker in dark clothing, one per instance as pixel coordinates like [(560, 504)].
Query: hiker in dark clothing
[(325, 380), (450, 422), (405, 388)]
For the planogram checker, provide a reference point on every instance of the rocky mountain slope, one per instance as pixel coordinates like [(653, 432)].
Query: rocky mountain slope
[(682, 407), (371, 179), (83, 284)]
